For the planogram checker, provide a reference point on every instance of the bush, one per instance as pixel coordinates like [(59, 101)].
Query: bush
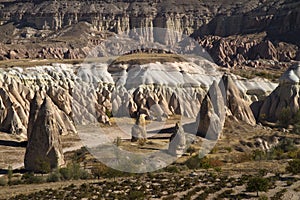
[(136, 195), (294, 166), (43, 165), (191, 150), (279, 194), (242, 157), (3, 181), (285, 117), (54, 177), (76, 171), (66, 173), (73, 171), (142, 141), (287, 145), (257, 184), (205, 163), (226, 194), (258, 154), (118, 141), (172, 169), (263, 197), (9, 173), (99, 170), (30, 178)]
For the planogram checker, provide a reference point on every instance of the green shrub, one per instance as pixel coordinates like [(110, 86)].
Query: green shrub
[(118, 141), (84, 175), (142, 141), (257, 184), (294, 166), (229, 149), (258, 154), (279, 194), (54, 177), (76, 171), (99, 170), (263, 197), (172, 169), (9, 173), (3, 181), (226, 194), (285, 117), (73, 171), (43, 165), (66, 173), (108, 113), (15, 182), (191, 150), (287, 145), (30, 178), (136, 195), (205, 163)]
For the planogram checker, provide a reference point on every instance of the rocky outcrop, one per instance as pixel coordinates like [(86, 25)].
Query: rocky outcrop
[(211, 117), (138, 131), (247, 50), (285, 96), (177, 143), (237, 103), (44, 146), (222, 100)]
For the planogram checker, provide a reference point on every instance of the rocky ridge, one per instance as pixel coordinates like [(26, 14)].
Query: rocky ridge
[(235, 33)]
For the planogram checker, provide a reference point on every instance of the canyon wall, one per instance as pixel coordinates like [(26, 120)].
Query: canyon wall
[(222, 18)]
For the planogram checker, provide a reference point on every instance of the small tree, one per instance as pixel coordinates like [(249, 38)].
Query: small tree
[(257, 184), (9, 173), (294, 166)]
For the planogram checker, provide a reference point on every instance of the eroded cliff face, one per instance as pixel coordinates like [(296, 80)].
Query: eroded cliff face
[(70, 29), (220, 18)]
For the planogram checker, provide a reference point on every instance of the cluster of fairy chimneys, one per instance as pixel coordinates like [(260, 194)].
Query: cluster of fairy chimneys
[(177, 143)]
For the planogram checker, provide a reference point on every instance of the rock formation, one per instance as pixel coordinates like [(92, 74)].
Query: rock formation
[(223, 100), (44, 146), (285, 96), (237, 103), (211, 117), (235, 34), (247, 50), (177, 143), (138, 131), (94, 94)]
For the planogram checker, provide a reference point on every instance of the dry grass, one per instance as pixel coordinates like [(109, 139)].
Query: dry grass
[(249, 73), (37, 62), (145, 58)]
